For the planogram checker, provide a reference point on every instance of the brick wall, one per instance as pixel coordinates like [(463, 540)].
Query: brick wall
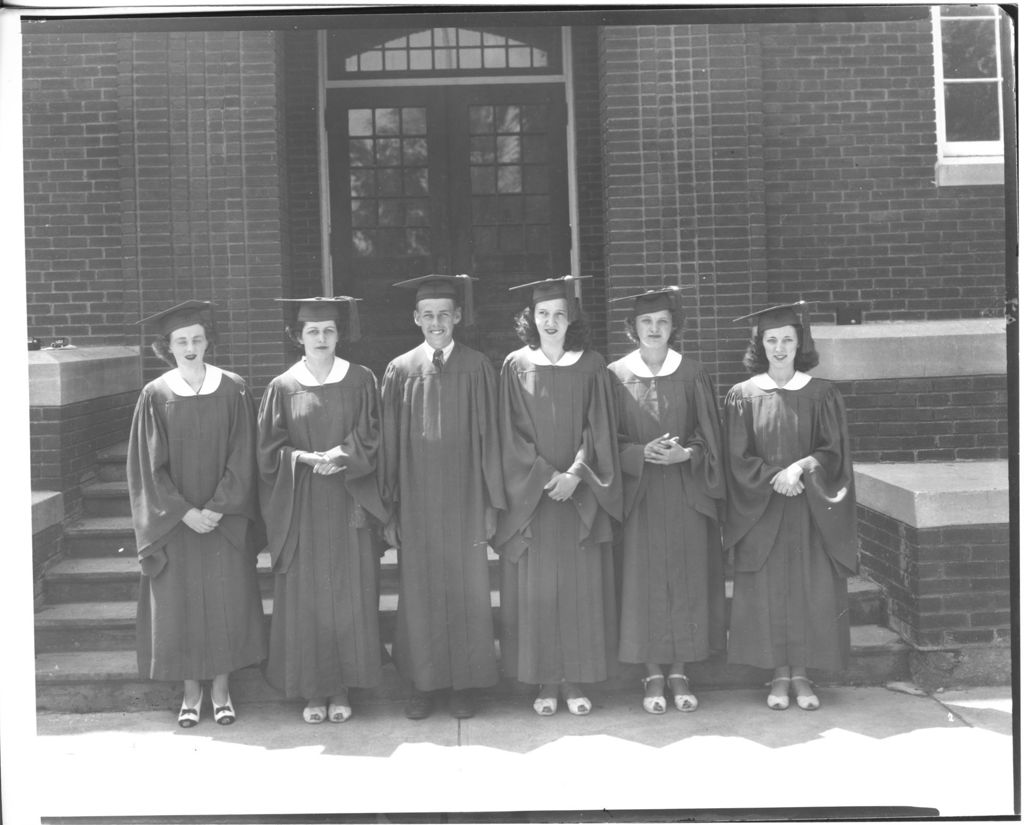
[(72, 188), (590, 180), (64, 441), (944, 586), (684, 171), (854, 216), (927, 419)]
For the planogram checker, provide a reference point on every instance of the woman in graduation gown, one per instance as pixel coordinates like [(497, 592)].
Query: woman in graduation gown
[(318, 438), (791, 513), (192, 484), (673, 589), (562, 486)]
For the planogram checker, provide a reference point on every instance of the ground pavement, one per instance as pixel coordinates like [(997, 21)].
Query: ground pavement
[(951, 753)]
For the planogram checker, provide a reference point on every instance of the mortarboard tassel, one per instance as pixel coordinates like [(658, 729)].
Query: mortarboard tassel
[(354, 332), (468, 314)]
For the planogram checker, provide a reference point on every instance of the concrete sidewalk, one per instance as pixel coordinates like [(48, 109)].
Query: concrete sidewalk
[(866, 747)]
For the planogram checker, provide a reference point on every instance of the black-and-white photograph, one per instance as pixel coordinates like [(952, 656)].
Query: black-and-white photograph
[(535, 413)]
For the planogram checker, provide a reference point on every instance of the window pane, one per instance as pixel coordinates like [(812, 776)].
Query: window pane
[(509, 150), (535, 179), (510, 238), (510, 179), (364, 212), (362, 243), (535, 149), (386, 121), (968, 49), (417, 241), (470, 59), (537, 210), (420, 59), (972, 111), (389, 152), (360, 122), (421, 39), (416, 182), (519, 57), (389, 182), (481, 150), (535, 118), (481, 180), (414, 121), (485, 210), (360, 152), (494, 58), (389, 213), (417, 213), (506, 118), (469, 38), (968, 11), (370, 62), (537, 238), (395, 61), (481, 119), (485, 238), (414, 151), (361, 183), (511, 209)]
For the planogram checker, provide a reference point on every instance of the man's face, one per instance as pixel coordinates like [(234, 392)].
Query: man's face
[(437, 317)]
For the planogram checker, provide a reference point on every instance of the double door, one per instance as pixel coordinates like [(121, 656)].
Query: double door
[(447, 179)]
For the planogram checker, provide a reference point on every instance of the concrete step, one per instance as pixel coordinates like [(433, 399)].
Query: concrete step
[(97, 681), (80, 626), (110, 463), (106, 498), (100, 536), (115, 578)]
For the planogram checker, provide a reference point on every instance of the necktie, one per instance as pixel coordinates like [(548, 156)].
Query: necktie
[(438, 360)]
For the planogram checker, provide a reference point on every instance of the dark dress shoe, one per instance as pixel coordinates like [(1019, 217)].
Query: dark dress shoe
[(461, 704), (419, 706)]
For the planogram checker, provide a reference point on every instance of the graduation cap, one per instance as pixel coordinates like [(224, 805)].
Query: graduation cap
[(327, 309), (181, 315), (669, 297), (444, 286), (568, 287), (780, 315)]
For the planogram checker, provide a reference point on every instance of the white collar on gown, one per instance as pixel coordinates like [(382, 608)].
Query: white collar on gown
[(537, 356), (179, 386), (429, 350), (300, 372), (797, 382), (635, 363)]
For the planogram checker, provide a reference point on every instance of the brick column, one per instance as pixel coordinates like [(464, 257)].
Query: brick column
[(684, 178), (202, 189)]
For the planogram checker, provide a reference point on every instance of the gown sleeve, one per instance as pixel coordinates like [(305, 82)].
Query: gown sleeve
[(391, 392), (597, 461), (749, 476), (278, 481), (704, 473), (359, 451), (631, 453), (485, 390), (524, 470), (828, 482), (157, 505)]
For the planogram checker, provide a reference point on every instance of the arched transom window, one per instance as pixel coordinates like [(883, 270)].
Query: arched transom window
[(443, 51)]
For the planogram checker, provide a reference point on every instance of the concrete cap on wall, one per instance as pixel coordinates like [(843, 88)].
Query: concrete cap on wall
[(936, 494), (59, 377)]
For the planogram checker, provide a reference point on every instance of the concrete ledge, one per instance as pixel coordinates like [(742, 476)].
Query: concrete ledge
[(65, 376), (938, 494), (911, 349), (47, 509)]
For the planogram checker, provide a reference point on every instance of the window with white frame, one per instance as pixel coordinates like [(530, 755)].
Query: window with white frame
[(968, 92)]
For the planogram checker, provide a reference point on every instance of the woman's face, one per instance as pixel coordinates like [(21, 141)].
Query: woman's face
[(552, 320), (319, 338), (653, 329), (780, 346), (188, 345)]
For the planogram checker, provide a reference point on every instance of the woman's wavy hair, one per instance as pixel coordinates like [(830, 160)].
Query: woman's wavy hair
[(678, 319), (755, 359), (577, 336), (162, 344)]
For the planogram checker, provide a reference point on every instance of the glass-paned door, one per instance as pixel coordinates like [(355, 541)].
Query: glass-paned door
[(445, 179)]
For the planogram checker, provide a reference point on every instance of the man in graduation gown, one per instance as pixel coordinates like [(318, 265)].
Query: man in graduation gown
[(441, 476)]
